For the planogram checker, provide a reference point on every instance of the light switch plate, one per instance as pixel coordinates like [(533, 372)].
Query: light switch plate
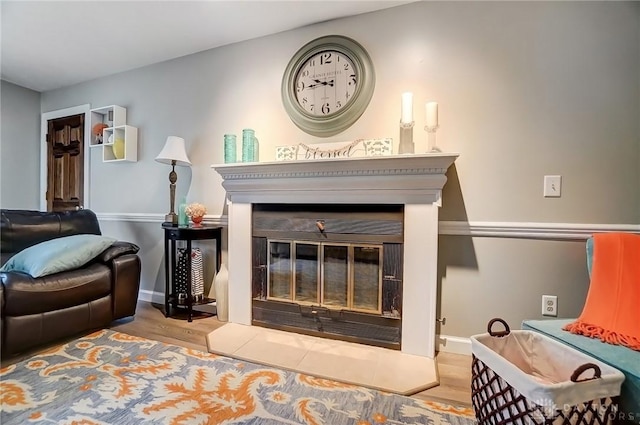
[(552, 186)]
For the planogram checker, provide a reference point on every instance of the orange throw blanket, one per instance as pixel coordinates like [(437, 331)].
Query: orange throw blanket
[(612, 309)]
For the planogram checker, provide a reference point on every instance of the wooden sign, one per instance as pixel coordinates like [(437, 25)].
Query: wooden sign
[(316, 151)]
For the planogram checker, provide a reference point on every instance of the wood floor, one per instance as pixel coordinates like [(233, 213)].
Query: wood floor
[(149, 322)]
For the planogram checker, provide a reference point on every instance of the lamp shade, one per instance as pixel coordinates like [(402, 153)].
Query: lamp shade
[(174, 150)]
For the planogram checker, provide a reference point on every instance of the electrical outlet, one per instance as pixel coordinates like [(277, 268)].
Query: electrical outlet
[(550, 305), (552, 186)]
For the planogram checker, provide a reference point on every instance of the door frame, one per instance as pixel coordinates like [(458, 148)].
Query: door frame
[(61, 113)]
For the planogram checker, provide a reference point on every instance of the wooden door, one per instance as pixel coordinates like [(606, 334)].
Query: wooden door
[(65, 163)]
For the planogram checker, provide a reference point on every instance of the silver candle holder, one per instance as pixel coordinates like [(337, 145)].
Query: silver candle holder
[(406, 138), (431, 138)]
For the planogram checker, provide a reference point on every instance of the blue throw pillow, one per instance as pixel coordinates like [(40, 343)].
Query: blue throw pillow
[(58, 255)]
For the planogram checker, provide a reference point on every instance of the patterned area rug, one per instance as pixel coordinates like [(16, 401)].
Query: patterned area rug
[(113, 378)]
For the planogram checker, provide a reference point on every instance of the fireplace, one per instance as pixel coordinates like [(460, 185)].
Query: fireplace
[(333, 271), (413, 182)]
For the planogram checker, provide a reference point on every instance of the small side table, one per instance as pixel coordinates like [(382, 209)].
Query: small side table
[(172, 234)]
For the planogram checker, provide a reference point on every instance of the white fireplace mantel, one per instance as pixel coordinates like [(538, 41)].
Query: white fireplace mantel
[(398, 179), (415, 181)]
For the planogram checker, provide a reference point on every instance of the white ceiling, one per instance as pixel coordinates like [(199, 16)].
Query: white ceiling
[(52, 44)]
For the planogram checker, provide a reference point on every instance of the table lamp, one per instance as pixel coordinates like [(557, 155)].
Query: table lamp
[(173, 153)]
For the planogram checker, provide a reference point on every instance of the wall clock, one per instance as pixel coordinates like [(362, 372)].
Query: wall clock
[(327, 85)]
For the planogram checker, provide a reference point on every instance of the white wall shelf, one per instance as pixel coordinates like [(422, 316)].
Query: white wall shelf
[(120, 144), (118, 141)]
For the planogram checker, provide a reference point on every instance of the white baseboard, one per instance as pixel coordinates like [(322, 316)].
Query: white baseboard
[(454, 344), (151, 296)]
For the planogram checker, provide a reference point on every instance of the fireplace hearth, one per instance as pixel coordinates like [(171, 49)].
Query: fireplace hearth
[(329, 270)]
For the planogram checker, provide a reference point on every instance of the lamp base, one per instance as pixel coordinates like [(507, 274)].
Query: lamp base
[(171, 218)]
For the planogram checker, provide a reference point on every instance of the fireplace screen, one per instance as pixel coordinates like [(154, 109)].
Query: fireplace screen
[(333, 271), (333, 275)]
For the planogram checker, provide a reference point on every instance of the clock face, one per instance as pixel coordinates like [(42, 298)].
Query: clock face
[(326, 83)]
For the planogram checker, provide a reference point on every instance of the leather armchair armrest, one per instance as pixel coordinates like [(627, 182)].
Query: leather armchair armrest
[(126, 283), (118, 249), (122, 259)]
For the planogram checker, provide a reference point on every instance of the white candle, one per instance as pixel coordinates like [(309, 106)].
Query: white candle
[(407, 108), (432, 114)]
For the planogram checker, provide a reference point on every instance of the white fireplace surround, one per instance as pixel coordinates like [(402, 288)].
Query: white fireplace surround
[(416, 181)]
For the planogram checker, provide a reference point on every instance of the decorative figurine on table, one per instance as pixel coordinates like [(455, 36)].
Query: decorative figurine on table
[(196, 212)]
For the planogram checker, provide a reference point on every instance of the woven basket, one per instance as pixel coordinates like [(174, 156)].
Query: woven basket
[(541, 399)]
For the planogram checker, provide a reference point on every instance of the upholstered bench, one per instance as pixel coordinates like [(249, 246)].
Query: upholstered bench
[(622, 358)]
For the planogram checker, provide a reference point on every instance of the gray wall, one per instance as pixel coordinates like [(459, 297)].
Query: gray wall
[(19, 147), (525, 89)]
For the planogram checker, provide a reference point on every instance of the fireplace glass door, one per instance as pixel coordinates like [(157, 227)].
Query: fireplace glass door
[(332, 275), (367, 275), (279, 270), (335, 267), (307, 272)]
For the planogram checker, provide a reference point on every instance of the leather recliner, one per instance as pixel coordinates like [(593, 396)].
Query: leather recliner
[(37, 311)]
